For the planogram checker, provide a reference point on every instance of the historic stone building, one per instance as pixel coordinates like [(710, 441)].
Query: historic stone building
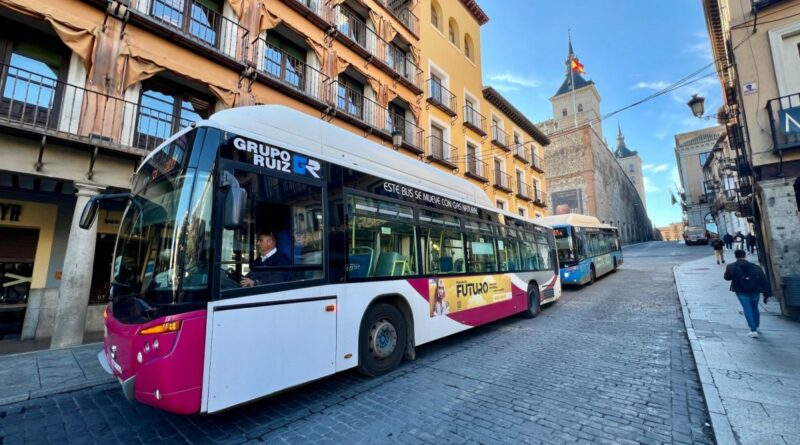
[(692, 149), (631, 164), (583, 175)]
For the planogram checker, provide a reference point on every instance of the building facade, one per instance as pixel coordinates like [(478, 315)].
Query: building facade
[(692, 150), (672, 232), (758, 64), (720, 179), (631, 164), (90, 87), (583, 175)]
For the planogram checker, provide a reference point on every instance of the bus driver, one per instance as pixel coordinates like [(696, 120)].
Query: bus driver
[(269, 257)]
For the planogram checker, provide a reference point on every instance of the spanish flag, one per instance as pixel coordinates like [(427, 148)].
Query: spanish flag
[(577, 66)]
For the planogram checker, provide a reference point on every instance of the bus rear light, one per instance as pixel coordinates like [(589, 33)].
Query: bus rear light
[(139, 357), (170, 326), (330, 308), (105, 313)]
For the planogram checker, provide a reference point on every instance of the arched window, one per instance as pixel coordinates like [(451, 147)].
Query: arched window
[(452, 32), (436, 15), (564, 112), (468, 47), (580, 108)]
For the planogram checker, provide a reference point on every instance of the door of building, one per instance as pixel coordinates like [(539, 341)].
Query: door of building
[(17, 255)]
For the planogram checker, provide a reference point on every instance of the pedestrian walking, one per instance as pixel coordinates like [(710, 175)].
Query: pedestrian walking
[(750, 239), (747, 281), (728, 239), (738, 240), (718, 245)]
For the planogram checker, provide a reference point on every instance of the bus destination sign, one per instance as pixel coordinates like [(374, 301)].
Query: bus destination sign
[(274, 158), (411, 194)]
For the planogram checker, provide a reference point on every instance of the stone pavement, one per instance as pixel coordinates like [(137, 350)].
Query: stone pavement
[(41, 373), (751, 385)]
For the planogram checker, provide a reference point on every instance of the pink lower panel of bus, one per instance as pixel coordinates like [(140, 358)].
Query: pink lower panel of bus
[(482, 299), (169, 377)]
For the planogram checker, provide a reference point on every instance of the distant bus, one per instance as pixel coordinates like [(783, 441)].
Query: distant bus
[(586, 248), (694, 235), (378, 253)]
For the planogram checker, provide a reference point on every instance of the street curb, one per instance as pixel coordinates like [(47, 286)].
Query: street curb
[(723, 432), (39, 393)]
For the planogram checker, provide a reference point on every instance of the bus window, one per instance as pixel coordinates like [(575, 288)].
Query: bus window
[(480, 243), (442, 247), (382, 239), (543, 252), (288, 212), (508, 251)]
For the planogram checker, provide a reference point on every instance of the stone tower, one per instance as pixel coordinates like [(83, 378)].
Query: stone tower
[(631, 163)]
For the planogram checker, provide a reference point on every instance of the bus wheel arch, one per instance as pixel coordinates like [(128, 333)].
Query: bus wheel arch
[(534, 298), (394, 309), (592, 274)]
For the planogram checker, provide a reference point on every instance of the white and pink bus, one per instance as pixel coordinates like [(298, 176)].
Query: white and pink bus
[(377, 253)]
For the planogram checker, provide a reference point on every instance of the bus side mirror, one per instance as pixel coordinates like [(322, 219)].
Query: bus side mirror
[(89, 213), (235, 199)]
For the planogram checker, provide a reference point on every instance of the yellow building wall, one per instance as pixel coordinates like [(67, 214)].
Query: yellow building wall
[(39, 216)]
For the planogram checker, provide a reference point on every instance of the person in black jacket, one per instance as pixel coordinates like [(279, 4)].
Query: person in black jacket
[(269, 257), (718, 245), (747, 281), (750, 240), (728, 238)]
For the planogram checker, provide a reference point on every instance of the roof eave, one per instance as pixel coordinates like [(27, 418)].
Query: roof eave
[(516, 116)]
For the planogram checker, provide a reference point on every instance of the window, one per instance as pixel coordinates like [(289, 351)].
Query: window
[(29, 90), (436, 88), (165, 108), (521, 211), (350, 96), (479, 237), (436, 15), (452, 32), (288, 212), (517, 139), (468, 47), (382, 239), (442, 246), (203, 17), (564, 112), (501, 205), (508, 250), (473, 164), (580, 108), (439, 148), (630, 168), (284, 60), (704, 157)]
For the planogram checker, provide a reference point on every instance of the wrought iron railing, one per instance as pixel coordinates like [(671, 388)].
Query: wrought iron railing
[(537, 163), (474, 120), (289, 70), (198, 23), (441, 97), (401, 63), (502, 180), (522, 153), (441, 151), (412, 134), (475, 167), (538, 197), (52, 107), (500, 137), (354, 104), (314, 5), (399, 9), (784, 121), (523, 190)]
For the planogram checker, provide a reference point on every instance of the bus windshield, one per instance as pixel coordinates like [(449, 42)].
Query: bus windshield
[(161, 256), (565, 244)]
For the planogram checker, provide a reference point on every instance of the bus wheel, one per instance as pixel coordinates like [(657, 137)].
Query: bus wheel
[(382, 340), (534, 304), (592, 275)]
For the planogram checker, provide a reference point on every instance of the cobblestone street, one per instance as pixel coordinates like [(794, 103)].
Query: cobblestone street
[(608, 363)]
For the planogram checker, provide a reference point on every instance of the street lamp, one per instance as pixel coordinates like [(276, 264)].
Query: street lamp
[(697, 104), (397, 138)]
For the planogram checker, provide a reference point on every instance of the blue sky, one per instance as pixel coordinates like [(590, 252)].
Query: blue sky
[(630, 48)]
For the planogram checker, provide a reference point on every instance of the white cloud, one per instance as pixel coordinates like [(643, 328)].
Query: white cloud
[(649, 186), (657, 85), (660, 168), (675, 176), (514, 80), (660, 135), (701, 49), (505, 88), (646, 167)]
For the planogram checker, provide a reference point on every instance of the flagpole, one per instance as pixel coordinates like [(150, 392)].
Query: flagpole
[(572, 82)]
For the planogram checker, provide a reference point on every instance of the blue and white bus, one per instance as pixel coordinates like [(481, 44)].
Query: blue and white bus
[(586, 248)]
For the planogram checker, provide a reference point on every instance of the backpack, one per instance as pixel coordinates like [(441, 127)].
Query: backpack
[(748, 278)]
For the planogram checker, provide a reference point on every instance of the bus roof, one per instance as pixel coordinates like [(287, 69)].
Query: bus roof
[(573, 219)]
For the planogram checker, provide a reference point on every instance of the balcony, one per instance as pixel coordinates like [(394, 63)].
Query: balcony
[(521, 152), (502, 181), (474, 120), (784, 121), (413, 136), (537, 162), (289, 74), (538, 198), (441, 152), (441, 98), (36, 105), (362, 111), (399, 9), (500, 138), (475, 168), (372, 46), (523, 191), (197, 24)]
